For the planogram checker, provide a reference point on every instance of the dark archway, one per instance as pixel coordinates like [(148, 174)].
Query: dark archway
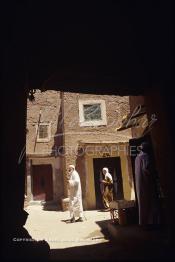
[(115, 169)]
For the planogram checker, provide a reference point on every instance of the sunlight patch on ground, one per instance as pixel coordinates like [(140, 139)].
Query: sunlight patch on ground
[(52, 226)]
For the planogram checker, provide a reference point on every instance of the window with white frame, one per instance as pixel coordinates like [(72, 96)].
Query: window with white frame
[(43, 132), (92, 112)]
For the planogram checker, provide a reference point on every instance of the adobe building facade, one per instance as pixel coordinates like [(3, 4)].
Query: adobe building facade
[(80, 129), (44, 179)]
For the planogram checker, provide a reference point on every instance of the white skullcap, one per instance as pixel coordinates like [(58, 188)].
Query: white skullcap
[(72, 166), (106, 169)]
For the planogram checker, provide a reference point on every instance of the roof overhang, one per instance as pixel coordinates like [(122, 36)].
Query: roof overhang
[(129, 120)]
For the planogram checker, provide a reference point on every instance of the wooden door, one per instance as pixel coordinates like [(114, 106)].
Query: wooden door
[(42, 183)]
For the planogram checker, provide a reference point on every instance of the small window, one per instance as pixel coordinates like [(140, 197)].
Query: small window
[(92, 112), (43, 132)]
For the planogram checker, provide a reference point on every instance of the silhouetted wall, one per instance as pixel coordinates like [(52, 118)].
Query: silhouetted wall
[(13, 158), (162, 139)]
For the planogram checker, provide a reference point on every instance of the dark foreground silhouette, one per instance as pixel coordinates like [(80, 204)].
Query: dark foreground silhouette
[(20, 245)]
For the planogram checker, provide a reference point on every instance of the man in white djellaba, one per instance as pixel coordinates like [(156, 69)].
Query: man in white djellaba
[(75, 195)]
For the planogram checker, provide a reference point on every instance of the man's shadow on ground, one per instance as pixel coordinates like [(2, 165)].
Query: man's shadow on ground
[(67, 221), (104, 210)]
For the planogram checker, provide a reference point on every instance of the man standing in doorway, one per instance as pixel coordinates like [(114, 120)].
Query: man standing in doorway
[(106, 185), (75, 195)]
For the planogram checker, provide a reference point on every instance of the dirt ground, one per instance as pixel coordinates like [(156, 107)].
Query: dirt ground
[(95, 239), (53, 227)]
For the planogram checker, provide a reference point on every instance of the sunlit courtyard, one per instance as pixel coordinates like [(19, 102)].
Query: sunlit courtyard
[(53, 227)]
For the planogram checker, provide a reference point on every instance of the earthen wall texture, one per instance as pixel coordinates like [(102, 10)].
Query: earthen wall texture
[(116, 108)]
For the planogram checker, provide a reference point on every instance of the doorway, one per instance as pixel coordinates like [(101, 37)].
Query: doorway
[(42, 184), (114, 166)]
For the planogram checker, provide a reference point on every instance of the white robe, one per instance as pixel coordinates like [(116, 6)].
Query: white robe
[(75, 195), (107, 176), (145, 189)]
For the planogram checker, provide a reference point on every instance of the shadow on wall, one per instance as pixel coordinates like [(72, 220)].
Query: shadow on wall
[(58, 151), (58, 137), (81, 169)]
